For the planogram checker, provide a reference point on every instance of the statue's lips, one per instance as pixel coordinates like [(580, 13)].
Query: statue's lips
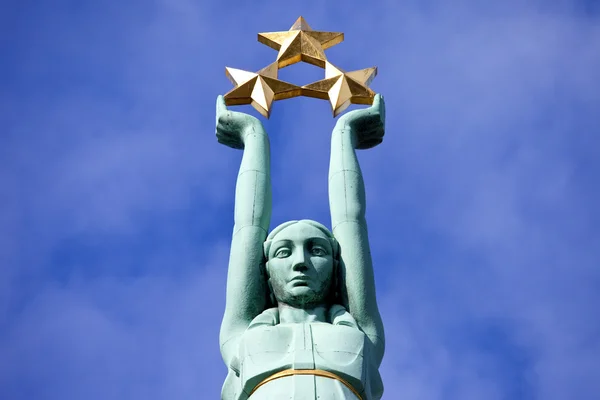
[(300, 280)]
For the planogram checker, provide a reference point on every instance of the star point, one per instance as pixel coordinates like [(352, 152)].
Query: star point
[(343, 88), (301, 43), (301, 25), (258, 89)]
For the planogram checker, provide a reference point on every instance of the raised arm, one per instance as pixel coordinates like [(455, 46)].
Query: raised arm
[(246, 291), (358, 129)]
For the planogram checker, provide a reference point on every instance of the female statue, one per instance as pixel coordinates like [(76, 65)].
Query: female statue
[(301, 319)]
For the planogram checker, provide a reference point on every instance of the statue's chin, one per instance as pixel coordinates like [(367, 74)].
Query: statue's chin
[(302, 297), (302, 291)]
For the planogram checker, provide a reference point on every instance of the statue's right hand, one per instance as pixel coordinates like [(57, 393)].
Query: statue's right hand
[(233, 126)]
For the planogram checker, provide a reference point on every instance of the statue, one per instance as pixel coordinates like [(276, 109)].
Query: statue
[(301, 319)]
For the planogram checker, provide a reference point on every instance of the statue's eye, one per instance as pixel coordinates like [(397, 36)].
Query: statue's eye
[(283, 252), (318, 251)]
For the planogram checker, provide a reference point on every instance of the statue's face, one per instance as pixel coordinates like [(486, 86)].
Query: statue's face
[(300, 266)]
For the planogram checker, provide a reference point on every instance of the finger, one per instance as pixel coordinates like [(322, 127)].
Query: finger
[(226, 141), (382, 108), (221, 107), (224, 119), (376, 101), (379, 104), (225, 135), (369, 120), (234, 144), (377, 111)]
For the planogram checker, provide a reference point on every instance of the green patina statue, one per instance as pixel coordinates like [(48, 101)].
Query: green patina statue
[(301, 318)]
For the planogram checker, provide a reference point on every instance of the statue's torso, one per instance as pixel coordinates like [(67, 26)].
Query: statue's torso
[(267, 349)]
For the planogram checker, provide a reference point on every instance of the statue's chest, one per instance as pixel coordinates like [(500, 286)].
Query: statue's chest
[(265, 350)]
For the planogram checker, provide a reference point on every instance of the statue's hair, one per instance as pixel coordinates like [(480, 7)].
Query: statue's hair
[(335, 247)]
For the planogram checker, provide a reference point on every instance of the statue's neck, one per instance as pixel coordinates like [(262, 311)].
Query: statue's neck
[(291, 315)]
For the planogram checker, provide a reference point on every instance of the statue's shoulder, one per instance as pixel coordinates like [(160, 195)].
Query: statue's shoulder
[(338, 315), (269, 317)]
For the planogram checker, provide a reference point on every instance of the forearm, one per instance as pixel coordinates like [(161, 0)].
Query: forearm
[(253, 188), (346, 186)]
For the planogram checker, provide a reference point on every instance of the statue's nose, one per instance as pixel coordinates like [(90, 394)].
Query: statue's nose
[(299, 262)]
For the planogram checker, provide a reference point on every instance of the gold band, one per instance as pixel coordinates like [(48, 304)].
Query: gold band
[(316, 372)]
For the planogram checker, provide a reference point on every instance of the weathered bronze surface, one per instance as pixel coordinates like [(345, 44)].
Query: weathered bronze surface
[(301, 319)]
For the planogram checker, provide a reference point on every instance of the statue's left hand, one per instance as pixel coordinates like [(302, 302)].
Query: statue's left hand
[(233, 126), (367, 125)]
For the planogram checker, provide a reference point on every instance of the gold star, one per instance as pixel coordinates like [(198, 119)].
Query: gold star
[(343, 88), (301, 43), (259, 89)]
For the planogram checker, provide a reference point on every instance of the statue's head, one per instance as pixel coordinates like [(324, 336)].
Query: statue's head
[(302, 263)]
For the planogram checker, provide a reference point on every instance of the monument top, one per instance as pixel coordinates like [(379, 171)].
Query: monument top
[(301, 318), (300, 44)]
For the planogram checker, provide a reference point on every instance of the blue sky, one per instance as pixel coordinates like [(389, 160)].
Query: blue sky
[(117, 201)]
